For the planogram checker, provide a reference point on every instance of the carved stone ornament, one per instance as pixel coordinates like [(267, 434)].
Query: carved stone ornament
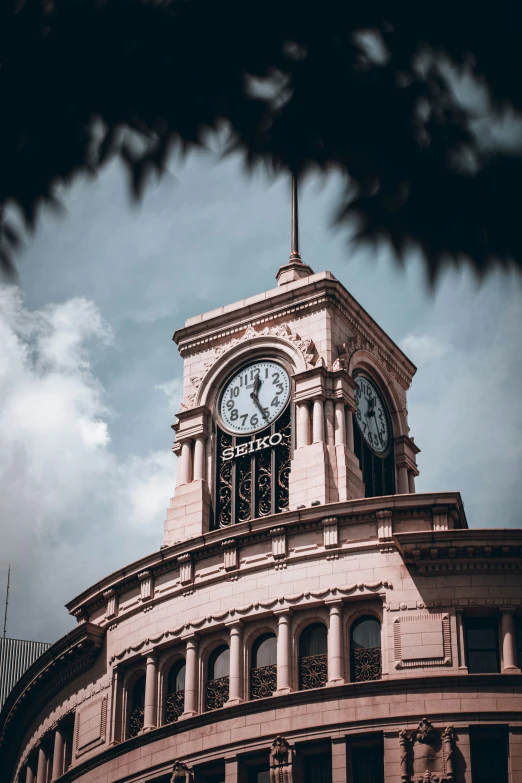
[(305, 346), (426, 755), (182, 773), (281, 759)]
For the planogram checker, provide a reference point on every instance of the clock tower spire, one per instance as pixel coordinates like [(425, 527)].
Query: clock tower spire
[(294, 269)]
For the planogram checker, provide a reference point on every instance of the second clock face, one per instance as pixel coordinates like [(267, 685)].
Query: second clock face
[(371, 415), (254, 397)]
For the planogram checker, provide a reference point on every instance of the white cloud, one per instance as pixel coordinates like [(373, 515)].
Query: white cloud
[(424, 348), (64, 494)]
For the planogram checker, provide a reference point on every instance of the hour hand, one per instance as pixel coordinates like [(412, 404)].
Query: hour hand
[(257, 384)]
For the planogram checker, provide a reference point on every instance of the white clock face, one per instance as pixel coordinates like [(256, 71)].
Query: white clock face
[(371, 415), (254, 397)]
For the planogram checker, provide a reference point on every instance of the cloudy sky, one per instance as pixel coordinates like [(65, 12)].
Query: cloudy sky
[(90, 379)]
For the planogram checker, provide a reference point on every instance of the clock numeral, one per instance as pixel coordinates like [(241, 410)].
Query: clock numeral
[(275, 377), (275, 402), (234, 415), (243, 417), (254, 420), (235, 391), (230, 404), (266, 372), (280, 388)]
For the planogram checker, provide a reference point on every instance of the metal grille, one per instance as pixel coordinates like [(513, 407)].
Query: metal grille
[(137, 718), (217, 693), (313, 671), (263, 681), (16, 656), (175, 706), (366, 664)]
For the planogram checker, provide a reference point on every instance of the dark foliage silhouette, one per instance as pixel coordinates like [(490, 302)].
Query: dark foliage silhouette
[(361, 88)]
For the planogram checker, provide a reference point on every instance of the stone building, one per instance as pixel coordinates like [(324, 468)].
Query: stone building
[(310, 618)]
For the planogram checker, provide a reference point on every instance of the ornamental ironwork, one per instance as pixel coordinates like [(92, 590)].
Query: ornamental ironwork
[(217, 693), (175, 706), (263, 681), (366, 664), (254, 483), (136, 721), (313, 671)]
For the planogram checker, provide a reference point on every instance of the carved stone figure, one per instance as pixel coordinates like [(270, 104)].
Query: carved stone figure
[(426, 755), (181, 773), (281, 761)]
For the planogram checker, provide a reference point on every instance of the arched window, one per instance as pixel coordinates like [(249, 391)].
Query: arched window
[(263, 676), (218, 678), (366, 649), (313, 661), (137, 707), (175, 703)]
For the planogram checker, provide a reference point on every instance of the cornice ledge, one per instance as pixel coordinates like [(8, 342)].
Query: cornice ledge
[(64, 659), (257, 608)]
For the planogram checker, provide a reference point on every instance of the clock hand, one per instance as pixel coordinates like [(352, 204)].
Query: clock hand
[(263, 411), (257, 384)]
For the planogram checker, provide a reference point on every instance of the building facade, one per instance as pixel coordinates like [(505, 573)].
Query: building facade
[(310, 617)]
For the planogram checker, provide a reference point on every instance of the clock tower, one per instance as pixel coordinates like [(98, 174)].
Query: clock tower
[(291, 398)]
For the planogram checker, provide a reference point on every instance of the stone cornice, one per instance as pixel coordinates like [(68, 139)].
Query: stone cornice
[(348, 512), (449, 551), (202, 331), (253, 611), (62, 662)]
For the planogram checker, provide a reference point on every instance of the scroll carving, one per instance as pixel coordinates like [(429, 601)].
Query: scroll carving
[(281, 759), (427, 755)]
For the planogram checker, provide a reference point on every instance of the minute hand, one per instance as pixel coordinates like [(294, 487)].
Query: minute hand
[(263, 411)]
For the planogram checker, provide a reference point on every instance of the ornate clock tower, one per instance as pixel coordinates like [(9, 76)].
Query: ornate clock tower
[(292, 398)]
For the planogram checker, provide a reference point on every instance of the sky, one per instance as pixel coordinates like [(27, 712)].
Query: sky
[(90, 379)]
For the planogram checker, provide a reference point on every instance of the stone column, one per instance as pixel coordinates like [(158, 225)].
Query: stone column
[(340, 424), (58, 754), (116, 706), (411, 482), (151, 692), (191, 678), (509, 646), (232, 770), (330, 425), (461, 645), (339, 771), (402, 474), (335, 645), (235, 693), (29, 774), (349, 430), (41, 772), (199, 458), (318, 421), (186, 462), (303, 425), (284, 668)]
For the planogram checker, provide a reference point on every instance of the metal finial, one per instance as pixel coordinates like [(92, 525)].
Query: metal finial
[(295, 256)]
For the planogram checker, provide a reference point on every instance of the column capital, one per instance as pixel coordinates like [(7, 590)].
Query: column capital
[(235, 624), (283, 612), (334, 602)]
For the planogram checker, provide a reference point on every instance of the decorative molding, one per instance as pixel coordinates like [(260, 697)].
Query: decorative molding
[(440, 518), (427, 755), (146, 585), (278, 535), (281, 761), (81, 615), (93, 739), (182, 773), (330, 532), (186, 568), (111, 607), (230, 554), (384, 524), (305, 346), (253, 610), (422, 640)]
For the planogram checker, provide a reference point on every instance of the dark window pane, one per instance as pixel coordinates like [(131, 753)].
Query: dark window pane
[(368, 764), (519, 641), (313, 640), (366, 633), (138, 693), (265, 651), (259, 775), (219, 663), (489, 754), (482, 652), (318, 769), (177, 678)]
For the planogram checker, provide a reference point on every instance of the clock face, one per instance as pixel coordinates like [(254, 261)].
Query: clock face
[(371, 415), (254, 397)]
